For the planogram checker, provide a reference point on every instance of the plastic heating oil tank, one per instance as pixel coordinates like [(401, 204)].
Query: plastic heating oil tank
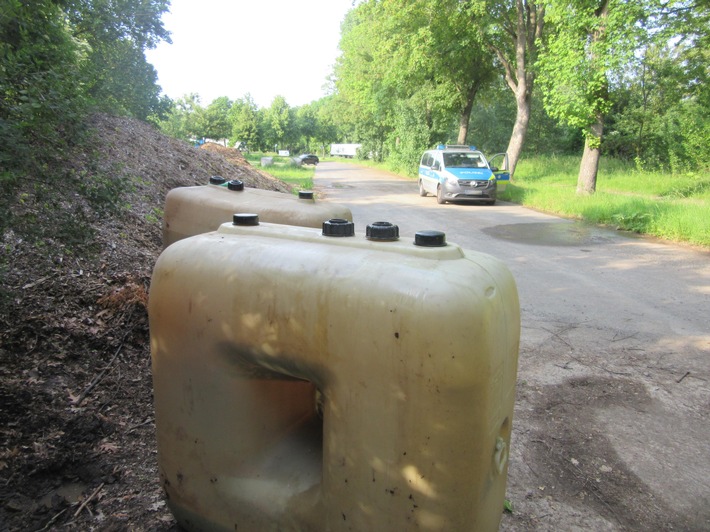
[(327, 380), (192, 211)]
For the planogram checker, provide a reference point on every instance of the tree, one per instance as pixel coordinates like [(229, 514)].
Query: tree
[(60, 58), (306, 124), (513, 30), (106, 21), (113, 36), (118, 79), (408, 69), (40, 106), (216, 119), (276, 121), (433, 54), (361, 104), (326, 131), (185, 119), (244, 118), (590, 40)]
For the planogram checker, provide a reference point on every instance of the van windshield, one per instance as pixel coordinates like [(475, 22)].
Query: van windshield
[(463, 160)]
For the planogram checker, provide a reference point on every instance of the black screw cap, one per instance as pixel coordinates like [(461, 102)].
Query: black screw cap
[(382, 231), (305, 194), (338, 227), (217, 180), (235, 184), (430, 239), (245, 219)]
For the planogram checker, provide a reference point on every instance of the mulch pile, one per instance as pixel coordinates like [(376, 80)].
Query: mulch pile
[(77, 437)]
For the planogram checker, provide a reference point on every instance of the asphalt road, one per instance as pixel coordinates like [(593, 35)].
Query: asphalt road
[(611, 425)]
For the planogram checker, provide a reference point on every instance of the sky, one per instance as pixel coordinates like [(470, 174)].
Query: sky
[(266, 48)]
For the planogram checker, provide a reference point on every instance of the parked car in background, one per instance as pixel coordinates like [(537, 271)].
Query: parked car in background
[(460, 173), (309, 158)]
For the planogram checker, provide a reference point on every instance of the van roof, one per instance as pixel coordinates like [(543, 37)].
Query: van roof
[(455, 147)]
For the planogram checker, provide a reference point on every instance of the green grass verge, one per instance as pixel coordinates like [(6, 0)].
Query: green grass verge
[(283, 168), (674, 207)]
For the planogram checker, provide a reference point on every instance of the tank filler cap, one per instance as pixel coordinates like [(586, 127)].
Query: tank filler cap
[(430, 239), (235, 184), (338, 227), (217, 180), (382, 232), (245, 219), (305, 194)]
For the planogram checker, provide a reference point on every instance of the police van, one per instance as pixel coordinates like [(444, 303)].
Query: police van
[(461, 173)]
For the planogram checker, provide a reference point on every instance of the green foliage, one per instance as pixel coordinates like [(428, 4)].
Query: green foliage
[(39, 105), (492, 119), (102, 191), (407, 71), (276, 122), (659, 118), (156, 216), (61, 58), (113, 37), (326, 131), (635, 221), (590, 39), (244, 119), (216, 119), (412, 138), (305, 120), (185, 120), (119, 80)]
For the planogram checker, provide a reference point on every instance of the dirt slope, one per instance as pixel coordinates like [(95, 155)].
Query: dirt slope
[(77, 438)]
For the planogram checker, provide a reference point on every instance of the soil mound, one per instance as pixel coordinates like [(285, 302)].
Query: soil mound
[(77, 437)]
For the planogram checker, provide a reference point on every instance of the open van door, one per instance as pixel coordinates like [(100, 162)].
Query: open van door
[(498, 164)]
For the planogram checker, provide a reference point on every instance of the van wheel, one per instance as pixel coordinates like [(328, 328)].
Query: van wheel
[(440, 196), (422, 192)]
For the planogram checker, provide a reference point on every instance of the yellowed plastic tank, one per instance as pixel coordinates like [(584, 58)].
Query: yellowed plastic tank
[(326, 380), (192, 211)]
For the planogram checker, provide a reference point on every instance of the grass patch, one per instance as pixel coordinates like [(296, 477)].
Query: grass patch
[(675, 207), (283, 168)]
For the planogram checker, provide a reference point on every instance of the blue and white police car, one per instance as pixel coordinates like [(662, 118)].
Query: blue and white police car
[(461, 173)]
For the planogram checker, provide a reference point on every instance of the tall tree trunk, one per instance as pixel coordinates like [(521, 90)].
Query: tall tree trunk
[(525, 30), (466, 112), (520, 128), (588, 168)]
